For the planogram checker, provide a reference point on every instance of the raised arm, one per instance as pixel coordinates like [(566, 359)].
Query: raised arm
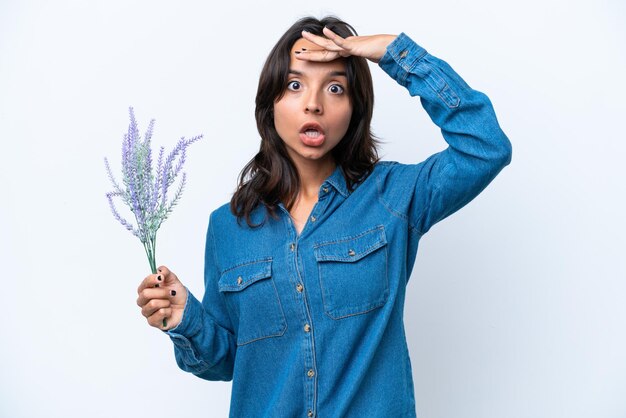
[(478, 149)]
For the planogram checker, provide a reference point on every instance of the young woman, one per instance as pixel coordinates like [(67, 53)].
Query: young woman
[(304, 300)]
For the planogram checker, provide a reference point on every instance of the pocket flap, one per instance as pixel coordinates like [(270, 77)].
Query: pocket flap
[(351, 248), (243, 275)]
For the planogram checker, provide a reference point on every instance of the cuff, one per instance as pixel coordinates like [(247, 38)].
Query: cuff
[(401, 56), (190, 323)]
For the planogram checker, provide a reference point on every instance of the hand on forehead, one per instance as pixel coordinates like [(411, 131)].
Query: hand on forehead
[(316, 56), (318, 48), (331, 46)]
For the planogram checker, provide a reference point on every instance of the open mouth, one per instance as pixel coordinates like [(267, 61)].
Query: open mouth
[(312, 129), (312, 134)]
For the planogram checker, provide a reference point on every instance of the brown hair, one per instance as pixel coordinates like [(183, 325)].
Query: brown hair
[(271, 176)]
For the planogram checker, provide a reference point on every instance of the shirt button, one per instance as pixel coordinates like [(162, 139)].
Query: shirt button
[(313, 218), (310, 373), (325, 189), (239, 280), (307, 328), (351, 253), (299, 287), (404, 53), (292, 246), (310, 413)]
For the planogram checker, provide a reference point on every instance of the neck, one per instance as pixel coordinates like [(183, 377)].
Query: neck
[(312, 175)]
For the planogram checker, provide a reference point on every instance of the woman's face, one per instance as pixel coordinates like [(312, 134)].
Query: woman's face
[(314, 113)]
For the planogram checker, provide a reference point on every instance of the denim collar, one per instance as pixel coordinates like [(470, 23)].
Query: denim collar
[(338, 181)]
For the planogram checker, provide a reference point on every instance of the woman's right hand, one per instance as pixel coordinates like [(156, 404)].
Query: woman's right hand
[(333, 46), (162, 298)]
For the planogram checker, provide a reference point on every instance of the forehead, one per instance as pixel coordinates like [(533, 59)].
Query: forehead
[(335, 65)]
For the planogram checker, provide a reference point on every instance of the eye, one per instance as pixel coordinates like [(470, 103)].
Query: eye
[(293, 85), (336, 89)]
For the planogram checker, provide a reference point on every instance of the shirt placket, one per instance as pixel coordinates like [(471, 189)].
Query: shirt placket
[(308, 344)]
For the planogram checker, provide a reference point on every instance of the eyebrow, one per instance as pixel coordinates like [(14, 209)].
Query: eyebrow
[(332, 73)]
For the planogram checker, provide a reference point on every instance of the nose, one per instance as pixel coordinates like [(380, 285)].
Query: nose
[(313, 103), (314, 109)]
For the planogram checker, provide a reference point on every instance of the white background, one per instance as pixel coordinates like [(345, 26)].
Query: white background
[(516, 307)]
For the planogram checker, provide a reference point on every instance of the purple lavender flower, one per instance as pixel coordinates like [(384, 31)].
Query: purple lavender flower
[(143, 191)]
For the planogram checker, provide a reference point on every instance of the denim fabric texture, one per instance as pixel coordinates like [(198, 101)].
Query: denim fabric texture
[(312, 324)]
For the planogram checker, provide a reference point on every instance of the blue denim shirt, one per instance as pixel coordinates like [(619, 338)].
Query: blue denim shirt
[(311, 324)]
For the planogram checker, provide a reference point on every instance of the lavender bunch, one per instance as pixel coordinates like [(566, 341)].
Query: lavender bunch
[(145, 191)]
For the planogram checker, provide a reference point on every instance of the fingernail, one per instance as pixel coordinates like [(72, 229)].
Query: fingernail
[(156, 285), (159, 278), (173, 293)]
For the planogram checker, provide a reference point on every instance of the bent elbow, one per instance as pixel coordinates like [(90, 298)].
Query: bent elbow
[(507, 153), (503, 152), (222, 371), (216, 373)]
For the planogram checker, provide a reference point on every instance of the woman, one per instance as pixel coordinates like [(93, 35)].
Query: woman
[(303, 302)]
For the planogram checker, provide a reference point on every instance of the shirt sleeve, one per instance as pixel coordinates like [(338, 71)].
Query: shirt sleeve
[(204, 343), (478, 149)]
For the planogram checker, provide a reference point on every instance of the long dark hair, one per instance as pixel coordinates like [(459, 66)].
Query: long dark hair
[(271, 176)]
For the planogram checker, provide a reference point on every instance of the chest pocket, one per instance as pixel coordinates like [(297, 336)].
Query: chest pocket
[(353, 273), (253, 300)]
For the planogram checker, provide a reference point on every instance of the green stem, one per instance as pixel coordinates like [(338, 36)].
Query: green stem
[(150, 256), (150, 248), (154, 252)]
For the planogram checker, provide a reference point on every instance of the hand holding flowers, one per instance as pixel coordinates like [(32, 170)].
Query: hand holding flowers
[(161, 295), (162, 298)]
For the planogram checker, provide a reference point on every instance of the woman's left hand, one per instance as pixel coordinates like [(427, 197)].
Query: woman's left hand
[(372, 47)]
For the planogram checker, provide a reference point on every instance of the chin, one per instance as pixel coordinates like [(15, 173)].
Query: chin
[(315, 156)]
